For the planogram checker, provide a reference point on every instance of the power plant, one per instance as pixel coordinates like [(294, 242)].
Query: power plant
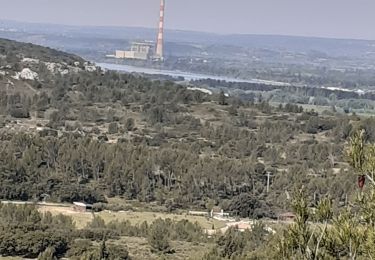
[(138, 51), (145, 50)]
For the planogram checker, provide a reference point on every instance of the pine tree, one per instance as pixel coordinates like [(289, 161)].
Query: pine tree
[(222, 98)]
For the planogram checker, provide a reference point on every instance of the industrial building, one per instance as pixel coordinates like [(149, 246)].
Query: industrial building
[(146, 50), (138, 50)]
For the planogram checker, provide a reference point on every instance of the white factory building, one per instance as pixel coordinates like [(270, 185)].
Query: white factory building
[(138, 50)]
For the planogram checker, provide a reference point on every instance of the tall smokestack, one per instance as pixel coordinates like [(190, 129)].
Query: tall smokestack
[(160, 42)]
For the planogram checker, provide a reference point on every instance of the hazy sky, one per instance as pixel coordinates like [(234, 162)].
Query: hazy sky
[(326, 18)]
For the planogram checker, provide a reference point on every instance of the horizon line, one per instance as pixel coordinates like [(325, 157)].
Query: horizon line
[(188, 31)]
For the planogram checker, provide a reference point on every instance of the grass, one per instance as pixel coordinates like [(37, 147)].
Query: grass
[(139, 217), (81, 219)]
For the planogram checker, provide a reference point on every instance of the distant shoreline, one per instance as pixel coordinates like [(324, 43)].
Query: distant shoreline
[(188, 76)]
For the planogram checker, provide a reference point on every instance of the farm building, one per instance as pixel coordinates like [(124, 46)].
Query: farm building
[(218, 212), (198, 213), (82, 207)]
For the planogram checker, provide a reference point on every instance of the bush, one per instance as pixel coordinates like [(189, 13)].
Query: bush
[(79, 247), (19, 112), (48, 254), (158, 237), (118, 253), (113, 128), (129, 124), (32, 243)]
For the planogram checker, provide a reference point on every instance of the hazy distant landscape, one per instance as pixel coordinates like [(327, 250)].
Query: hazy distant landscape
[(299, 60), (210, 147), (332, 64)]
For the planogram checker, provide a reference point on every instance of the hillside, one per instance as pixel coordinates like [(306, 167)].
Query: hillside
[(157, 141), (72, 132)]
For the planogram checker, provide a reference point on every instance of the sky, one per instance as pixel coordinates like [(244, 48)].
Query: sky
[(323, 18)]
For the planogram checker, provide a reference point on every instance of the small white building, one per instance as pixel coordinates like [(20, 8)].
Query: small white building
[(198, 213), (218, 212)]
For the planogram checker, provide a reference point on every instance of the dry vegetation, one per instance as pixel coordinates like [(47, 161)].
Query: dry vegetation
[(81, 219), (139, 249), (106, 138)]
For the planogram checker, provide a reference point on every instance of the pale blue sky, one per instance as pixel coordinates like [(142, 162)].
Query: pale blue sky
[(326, 18)]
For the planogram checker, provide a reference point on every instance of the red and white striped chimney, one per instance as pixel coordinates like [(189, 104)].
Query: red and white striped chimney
[(160, 42)]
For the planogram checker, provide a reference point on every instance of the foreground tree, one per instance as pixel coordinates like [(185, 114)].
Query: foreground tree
[(348, 235)]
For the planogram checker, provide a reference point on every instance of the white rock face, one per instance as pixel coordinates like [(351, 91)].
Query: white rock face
[(27, 74), (50, 66), (90, 68), (64, 72), (2, 73), (75, 69), (63, 69), (209, 92), (30, 60)]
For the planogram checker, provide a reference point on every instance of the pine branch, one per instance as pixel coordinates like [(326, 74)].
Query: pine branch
[(320, 239)]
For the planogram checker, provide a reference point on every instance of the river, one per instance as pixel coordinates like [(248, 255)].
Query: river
[(188, 76)]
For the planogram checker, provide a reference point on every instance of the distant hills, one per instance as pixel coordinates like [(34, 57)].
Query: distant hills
[(52, 34)]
